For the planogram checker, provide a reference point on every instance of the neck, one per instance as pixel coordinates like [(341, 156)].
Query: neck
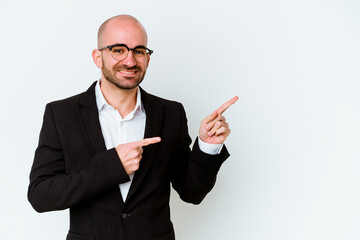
[(123, 100)]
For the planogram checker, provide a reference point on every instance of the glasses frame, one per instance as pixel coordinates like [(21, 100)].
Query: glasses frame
[(110, 47)]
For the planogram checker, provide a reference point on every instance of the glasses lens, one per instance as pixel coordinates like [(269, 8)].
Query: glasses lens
[(119, 52), (140, 53)]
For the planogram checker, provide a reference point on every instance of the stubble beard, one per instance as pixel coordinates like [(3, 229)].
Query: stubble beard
[(119, 83)]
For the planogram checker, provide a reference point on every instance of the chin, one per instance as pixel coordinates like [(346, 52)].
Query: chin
[(124, 86)]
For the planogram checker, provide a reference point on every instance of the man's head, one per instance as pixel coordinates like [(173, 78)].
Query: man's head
[(127, 71)]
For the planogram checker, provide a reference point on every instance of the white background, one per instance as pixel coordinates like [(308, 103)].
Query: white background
[(294, 166)]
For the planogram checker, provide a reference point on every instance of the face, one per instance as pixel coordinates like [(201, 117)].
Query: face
[(129, 72), (123, 75)]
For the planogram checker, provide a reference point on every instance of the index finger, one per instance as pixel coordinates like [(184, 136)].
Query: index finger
[(148, 141), (226, 105)]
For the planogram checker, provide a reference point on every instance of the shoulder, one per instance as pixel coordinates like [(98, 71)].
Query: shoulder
[(172, 110), (66, 103), (67, 100), (86, 98), (154, 101)]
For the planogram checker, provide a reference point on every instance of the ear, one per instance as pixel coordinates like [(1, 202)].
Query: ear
[(96, 55), (148, 60)]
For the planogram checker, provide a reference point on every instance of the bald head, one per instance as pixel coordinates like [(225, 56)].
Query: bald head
[(119, 23)]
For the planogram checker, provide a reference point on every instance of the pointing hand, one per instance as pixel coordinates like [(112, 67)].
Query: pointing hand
[(214, 129), (130, 154)]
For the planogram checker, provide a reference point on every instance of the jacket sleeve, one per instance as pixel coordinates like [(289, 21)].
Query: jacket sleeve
[(193, 171), (52, 188)]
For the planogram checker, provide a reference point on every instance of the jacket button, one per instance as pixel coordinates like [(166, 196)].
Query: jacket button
[(124, 215)]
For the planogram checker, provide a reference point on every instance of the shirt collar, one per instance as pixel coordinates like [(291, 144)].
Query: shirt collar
[(101, 102)]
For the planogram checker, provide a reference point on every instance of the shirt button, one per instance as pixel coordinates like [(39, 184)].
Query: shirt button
[(124, 215)]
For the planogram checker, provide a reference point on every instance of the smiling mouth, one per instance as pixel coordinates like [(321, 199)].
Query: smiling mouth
[(127, 72)]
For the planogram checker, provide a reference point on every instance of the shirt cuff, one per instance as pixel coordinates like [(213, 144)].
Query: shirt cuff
[(208, 148)]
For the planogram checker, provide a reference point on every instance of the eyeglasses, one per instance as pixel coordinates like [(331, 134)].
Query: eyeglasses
[(120, 51)]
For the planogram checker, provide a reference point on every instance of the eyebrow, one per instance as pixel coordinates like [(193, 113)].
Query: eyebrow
[(123, 44)]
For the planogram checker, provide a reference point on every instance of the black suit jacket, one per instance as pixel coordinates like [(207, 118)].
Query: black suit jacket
[(72, 169)]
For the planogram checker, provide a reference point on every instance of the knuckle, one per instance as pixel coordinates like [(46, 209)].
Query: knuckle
[(134, 155), (210, 124), (136, 166)]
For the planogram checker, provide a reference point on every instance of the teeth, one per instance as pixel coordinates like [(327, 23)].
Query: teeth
[(126, 72)]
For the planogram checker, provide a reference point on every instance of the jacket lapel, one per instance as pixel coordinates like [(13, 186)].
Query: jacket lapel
[(90, 117), (153, 127)]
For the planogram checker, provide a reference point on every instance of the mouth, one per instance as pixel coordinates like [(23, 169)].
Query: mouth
[(128, 73)]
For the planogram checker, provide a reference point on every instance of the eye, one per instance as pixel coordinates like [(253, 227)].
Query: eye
[(119, 50), (140, 51)]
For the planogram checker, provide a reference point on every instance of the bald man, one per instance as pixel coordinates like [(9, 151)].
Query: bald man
[(110, 153)]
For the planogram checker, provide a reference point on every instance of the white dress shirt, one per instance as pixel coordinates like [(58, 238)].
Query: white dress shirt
[(117, 130)]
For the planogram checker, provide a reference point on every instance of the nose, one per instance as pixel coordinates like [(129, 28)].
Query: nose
[(129, 61)]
